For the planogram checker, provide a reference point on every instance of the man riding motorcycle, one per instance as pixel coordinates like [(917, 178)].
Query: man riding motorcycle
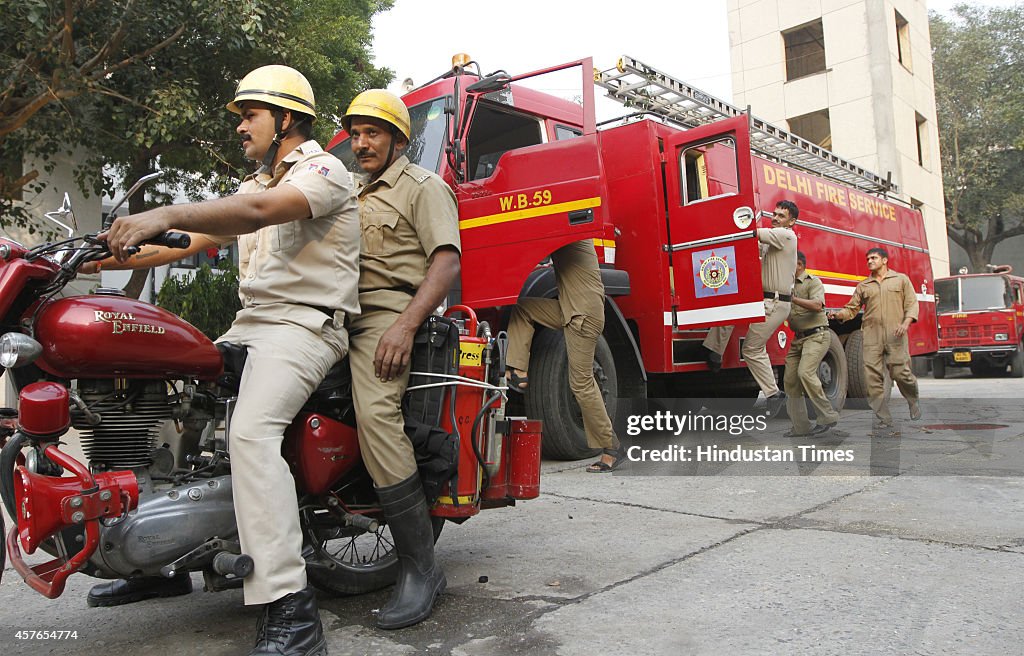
[(296, 223)]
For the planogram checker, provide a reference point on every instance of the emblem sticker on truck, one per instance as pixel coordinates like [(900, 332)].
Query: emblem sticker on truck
[(713, 272)]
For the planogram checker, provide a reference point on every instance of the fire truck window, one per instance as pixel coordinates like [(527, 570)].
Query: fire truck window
[(565, 132), (709, 171), (947, 295), (428, 128), (983, 293), (495, 132), (1019, 291)]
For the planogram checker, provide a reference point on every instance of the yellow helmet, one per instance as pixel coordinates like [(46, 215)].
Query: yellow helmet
[(282, 86), (381, 104)]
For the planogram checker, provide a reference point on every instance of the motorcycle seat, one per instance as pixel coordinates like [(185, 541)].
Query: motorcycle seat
[(338, 378)]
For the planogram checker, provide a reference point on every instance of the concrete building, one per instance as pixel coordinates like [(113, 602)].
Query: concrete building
[(854, 76)]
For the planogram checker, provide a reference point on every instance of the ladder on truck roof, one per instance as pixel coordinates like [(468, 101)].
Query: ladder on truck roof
[(637, 85)]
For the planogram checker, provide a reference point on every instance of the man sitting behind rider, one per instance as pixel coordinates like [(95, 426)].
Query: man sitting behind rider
[(296, 221)]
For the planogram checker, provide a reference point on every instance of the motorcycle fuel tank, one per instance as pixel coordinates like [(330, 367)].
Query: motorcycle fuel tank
[(99, 336)]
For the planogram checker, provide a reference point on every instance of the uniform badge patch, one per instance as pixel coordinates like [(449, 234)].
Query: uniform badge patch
[(713, 273), (318, 168)]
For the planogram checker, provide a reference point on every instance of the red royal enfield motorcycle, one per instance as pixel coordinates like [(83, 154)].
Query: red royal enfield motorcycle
[(150, 399)]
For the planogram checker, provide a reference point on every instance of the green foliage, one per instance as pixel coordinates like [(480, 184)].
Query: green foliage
[(208, 301), (978, 57), (136, 80)]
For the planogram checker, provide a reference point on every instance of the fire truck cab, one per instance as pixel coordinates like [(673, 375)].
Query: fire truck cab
[(981, 323), (669, 195)]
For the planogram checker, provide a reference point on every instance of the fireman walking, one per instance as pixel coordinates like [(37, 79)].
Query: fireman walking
[(890, 306), (811, 339), (409, 258), (778, 270), (579, 313)]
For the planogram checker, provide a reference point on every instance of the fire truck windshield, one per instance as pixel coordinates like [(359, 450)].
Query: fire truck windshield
[(971, 294), (428, 128)]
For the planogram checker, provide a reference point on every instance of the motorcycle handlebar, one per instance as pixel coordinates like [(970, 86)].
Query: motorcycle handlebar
[(168, 239)]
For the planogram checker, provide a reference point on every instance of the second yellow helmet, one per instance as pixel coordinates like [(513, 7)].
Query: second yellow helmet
[(381, 104)]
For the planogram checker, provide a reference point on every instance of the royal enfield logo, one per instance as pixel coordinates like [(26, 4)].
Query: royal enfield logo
[(123, 322)]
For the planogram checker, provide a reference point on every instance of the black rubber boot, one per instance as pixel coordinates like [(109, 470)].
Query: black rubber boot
[(420, 578), (128, 591), (291, 626)]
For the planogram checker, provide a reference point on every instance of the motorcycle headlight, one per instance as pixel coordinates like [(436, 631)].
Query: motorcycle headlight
[(1002, 337), (17, 350)]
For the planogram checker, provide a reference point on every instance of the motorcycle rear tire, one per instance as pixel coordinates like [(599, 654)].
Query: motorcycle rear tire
[(376, 570)]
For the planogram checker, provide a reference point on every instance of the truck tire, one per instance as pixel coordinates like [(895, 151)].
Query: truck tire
[(1017, 363), (834, 373), (857, 381), (938, 367), (549, 398), (857, 385)]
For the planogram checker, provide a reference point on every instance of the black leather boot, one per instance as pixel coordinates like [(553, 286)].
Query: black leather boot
[(128, 591), (291, 626), (420, 578)]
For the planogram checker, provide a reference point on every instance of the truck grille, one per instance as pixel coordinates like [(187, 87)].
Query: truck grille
[(960, 336)]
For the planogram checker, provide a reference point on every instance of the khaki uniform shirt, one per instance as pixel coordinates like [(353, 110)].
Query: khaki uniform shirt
[(886, 304), (778, 259), (808, 288), (405, 215), (580, 290), (293, 269)]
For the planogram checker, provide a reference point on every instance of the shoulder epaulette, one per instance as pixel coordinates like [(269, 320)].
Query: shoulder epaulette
[(417, 173)]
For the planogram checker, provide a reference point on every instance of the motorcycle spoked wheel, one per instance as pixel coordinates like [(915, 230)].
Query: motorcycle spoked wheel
[(358, 561)]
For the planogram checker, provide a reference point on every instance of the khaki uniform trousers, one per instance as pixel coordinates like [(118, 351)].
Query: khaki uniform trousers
[(893, 355), (385, 448), (285, 363), (754, 349), (581, 335), (801, 378)]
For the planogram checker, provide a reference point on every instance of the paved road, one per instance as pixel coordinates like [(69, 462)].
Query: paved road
[(925, 558)]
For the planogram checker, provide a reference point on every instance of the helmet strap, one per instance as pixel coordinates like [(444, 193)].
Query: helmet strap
[(391, 153), (279, 134)]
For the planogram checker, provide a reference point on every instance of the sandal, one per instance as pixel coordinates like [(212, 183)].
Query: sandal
[(602, 467), (517, 383)]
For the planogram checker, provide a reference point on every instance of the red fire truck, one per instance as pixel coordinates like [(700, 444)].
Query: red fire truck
[(669, 195), (981, 323)]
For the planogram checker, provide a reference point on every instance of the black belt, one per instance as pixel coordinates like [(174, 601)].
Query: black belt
[(800, 334), (782, 297)]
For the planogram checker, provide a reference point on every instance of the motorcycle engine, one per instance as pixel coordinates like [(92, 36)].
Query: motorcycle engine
[(120, 427)]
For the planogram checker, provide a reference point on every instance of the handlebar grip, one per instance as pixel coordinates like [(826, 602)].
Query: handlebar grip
[(172, 240), (168, 239)]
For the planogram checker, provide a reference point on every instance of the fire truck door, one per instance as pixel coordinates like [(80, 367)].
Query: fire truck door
[(712, 254)]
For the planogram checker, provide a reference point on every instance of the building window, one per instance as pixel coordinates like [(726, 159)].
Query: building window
[(923, 150), (805, 50), (903, 41), (814, 127)]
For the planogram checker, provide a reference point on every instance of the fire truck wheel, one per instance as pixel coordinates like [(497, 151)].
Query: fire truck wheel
[(1017, 364), (360, 561), (938, 367), (549, 398), (834, 372), (856, 385)]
